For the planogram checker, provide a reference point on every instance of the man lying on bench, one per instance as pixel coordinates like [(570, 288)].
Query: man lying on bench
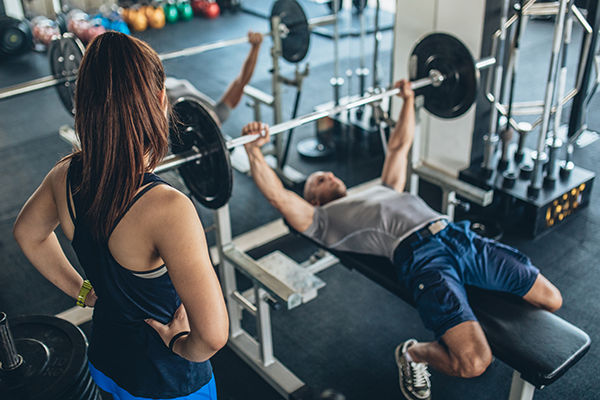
[(434, 258)]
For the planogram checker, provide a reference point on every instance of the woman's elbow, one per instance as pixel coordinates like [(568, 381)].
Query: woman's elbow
[(20, 233), (217, 339)]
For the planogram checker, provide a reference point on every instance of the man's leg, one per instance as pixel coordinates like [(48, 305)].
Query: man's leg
[(497, 266), (544, 294), (462, 351)]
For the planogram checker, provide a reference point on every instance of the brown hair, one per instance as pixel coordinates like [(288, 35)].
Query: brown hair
[(120, 121)]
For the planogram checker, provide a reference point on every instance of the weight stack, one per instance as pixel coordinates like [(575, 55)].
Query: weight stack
[(44, 357)]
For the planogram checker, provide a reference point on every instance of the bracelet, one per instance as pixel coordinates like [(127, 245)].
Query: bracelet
[(174, 339), (83, 292)]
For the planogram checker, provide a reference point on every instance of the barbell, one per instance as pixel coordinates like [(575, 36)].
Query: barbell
[(65, 52), (442, 70)]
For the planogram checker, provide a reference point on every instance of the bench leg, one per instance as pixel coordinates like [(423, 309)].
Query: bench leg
[(520, 389)]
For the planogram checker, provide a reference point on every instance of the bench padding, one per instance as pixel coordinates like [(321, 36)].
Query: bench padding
[(538, 344)]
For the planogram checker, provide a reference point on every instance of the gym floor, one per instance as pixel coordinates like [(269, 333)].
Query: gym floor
[(345, 338)]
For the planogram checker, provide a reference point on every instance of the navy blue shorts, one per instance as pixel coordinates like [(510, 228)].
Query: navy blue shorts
[(436, 268)]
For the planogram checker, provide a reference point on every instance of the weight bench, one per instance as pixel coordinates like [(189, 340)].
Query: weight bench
[(537, 344)]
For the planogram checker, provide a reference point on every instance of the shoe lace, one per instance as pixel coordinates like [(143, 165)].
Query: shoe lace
[(420, 375)]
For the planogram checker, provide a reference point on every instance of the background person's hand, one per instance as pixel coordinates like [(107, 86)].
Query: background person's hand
[(255, 38)]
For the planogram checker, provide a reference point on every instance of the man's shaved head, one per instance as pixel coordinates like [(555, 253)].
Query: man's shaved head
[(322, 187)]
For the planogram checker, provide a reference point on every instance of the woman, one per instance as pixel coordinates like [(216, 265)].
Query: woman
[(159, 311)]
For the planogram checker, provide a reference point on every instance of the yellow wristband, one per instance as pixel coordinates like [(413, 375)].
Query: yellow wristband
[(85, 289)]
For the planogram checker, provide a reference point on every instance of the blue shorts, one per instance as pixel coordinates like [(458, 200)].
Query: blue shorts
[(207, 392), (436, 268)]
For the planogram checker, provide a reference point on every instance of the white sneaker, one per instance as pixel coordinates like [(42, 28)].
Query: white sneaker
[(414, 377)]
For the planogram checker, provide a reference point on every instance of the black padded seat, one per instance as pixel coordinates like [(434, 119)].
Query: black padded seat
[(538, 344)]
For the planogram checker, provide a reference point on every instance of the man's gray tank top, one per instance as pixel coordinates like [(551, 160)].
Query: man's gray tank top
[(373, 221)]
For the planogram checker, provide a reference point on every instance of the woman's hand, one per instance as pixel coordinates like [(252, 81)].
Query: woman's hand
[(90, 299), (178, 324)]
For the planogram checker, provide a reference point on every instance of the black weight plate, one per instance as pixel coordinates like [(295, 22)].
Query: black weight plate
[(54, 359), (453, 59), (295, 44), (65, 54), (16, 36), (209, 178)]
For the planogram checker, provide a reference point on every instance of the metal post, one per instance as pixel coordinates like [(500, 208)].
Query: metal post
[(556, 143), (448, 203), (377, 36), (227, 271), (576, 120), (542, 157), (491, 139), (519, 389), (362, 71), (263, 326), (276, 52), (337, 81)]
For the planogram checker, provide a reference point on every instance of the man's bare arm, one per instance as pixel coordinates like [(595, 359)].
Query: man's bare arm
[(296, 211), (395, 166), (235, 90)]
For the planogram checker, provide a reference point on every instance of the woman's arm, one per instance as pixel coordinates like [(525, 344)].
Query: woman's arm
[(180, 240), (34, 232)]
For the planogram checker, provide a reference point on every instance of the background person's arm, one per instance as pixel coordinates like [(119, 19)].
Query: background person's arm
[(234, 92)]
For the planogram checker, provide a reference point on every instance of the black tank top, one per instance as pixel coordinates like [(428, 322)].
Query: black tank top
[(121, 344)]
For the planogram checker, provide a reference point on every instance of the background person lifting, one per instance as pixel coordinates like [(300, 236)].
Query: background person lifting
[(159, 311), (232, 96), (434, 258)]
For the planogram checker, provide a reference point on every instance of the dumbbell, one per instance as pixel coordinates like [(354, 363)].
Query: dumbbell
[(156, 17), (136, 18), (44, 29), (185, 10), (208, 9), (171, 12)]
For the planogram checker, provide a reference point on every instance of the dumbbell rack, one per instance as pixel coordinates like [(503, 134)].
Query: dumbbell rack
[(531, 215)]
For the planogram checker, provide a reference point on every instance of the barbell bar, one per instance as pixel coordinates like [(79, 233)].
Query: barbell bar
[(33, 85), (434, 79), (284, 31), (175, 160)]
